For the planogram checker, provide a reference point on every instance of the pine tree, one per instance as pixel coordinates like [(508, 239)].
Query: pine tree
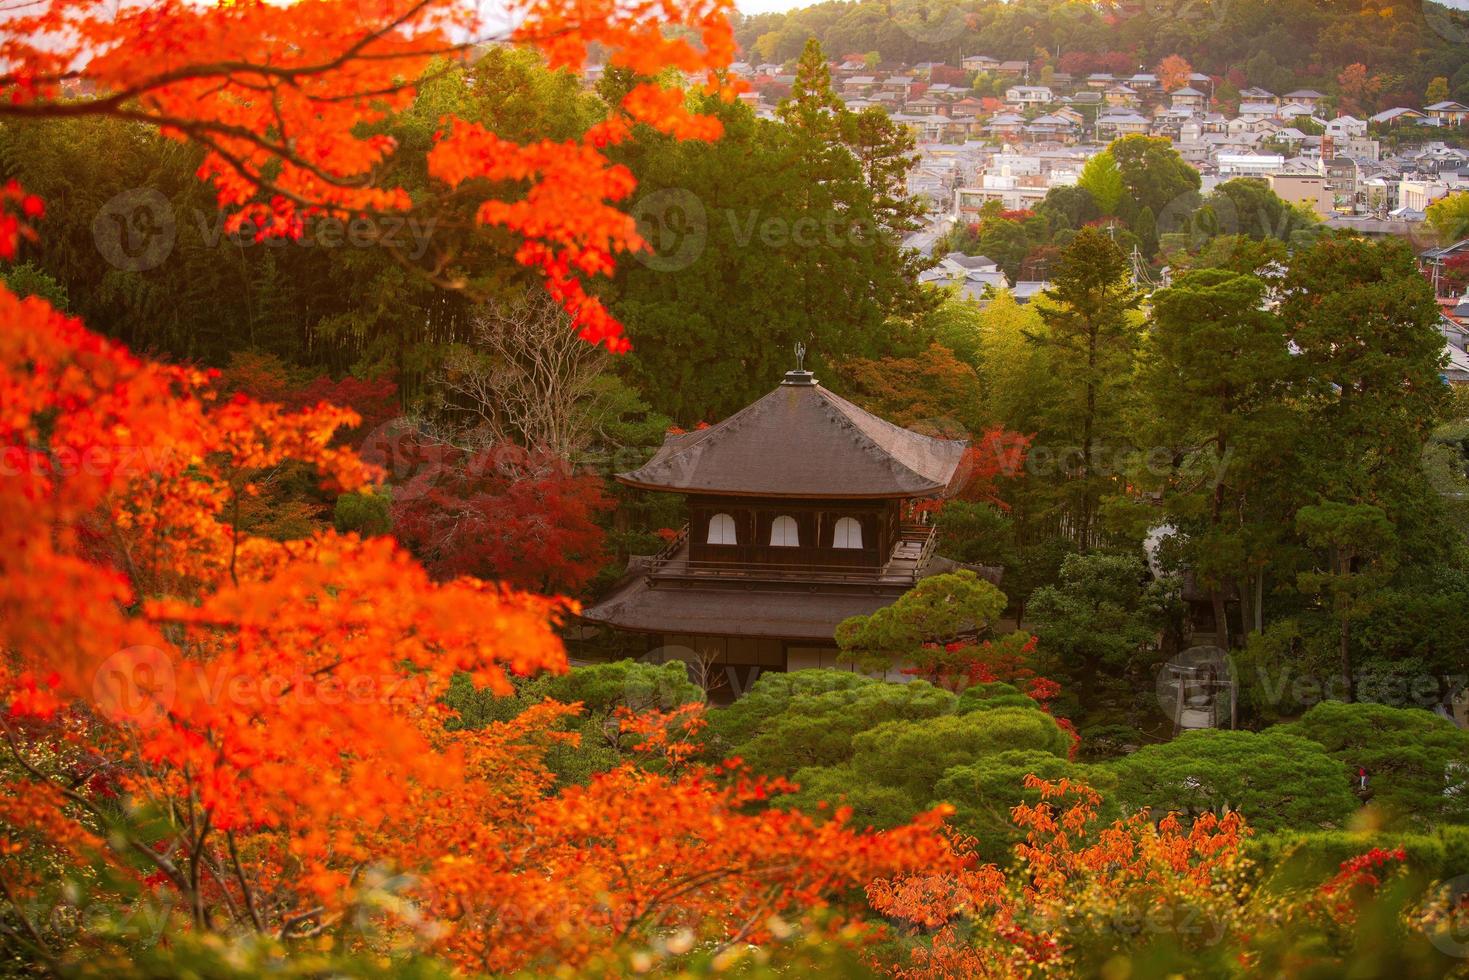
[(1091, 335)]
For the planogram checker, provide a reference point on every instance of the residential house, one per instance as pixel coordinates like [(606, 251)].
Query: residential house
[(964, 264), (1308, 97), (1069, 113), (1144, 82), (1027, 290), (1013, 193), (1258, 125), (966, 108), (946, 92), (1379, 194), (1292, 111), (1257, 110), (1359, 148), (1006, 125), (1396, 116), (900, 85), (1013, 68), (858, 85), (1100, 79), (1256, 94), (1028, 96), (1345, 127), (1448, 113), (1121, 96), (925, 106), (980, 62), (1052, 126), (1121, 122), (1187, 97)]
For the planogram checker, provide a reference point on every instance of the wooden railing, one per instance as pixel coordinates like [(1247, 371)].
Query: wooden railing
[(672, 563)]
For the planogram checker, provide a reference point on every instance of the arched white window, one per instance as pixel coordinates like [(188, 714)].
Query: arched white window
[(783, 533), (847, 533), (722, 529)]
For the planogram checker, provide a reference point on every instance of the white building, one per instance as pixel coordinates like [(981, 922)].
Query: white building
[(1250, 164)]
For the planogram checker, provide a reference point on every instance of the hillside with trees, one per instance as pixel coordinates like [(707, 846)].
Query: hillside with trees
[(326, 329), (1369, 55)]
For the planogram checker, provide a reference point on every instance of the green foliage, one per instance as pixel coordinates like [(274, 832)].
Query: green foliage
[(1016, 372), (601, 689), (896, 768), (1249, 207), (1450, 217), (984, 792), (780, 231), (1098, 617), (197, 953), (990, 695), (368, 514), (1153, 175), (958, 324), (1279, 781), (1287, 666), (975, 533), (1217, 374), (790, 721), (27, 279), (936, 610), (1317, 855), (1101, 179), (1090, 337), (1417, 763)]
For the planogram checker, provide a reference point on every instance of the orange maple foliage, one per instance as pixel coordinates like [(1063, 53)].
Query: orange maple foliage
[(1067, 861), (257, 725), (288, 101)]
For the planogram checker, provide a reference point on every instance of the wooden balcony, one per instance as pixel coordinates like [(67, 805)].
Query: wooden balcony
[(912, 553)]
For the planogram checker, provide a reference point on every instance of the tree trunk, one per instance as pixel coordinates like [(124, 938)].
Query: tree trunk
[(1086, 439), (1259, 600), (1221, 618), (1346, 659)]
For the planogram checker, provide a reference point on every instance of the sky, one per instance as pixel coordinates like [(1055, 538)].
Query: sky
[(766, 6)]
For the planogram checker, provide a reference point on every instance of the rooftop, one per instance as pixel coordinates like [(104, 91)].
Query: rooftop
[(801, 441)]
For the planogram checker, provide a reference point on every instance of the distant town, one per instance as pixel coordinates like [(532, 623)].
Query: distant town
[(1036, 134)]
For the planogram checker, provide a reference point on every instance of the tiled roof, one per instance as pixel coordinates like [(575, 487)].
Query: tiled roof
[(801, 441)]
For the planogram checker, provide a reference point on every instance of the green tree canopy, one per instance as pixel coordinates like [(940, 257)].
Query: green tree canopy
[(1417, 764), (1277, 780)]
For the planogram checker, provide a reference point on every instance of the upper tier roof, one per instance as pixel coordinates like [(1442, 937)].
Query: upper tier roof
[(802, 441)]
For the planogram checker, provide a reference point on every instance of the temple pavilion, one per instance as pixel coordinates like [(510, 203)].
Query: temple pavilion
[(796, 511)]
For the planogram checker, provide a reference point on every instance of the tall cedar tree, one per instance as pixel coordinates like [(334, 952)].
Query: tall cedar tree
[(774, 234), (1218, 374), (1091, 336)]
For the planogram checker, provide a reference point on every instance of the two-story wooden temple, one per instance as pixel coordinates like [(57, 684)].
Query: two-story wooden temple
[(795, 522)]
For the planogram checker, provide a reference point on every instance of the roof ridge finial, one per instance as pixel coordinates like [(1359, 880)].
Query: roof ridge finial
[(800, 376)]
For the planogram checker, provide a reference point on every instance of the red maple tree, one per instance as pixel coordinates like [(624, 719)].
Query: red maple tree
[(505, 513), (288, 101)]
